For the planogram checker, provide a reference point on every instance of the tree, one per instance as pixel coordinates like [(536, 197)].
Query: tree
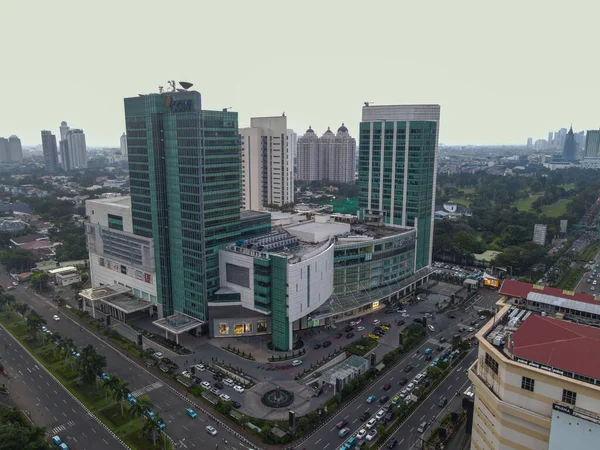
[(22, 308), (110, 385), (90, 364), (35, 321), (433, 372), (17, 259), (39, 281), (120, 392)]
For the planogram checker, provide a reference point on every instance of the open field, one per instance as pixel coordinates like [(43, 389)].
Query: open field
[(524, 204), (557, 209)]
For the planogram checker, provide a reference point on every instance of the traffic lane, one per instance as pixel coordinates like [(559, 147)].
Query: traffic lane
[(357, 407), (48, 403), (140, 381), (457, 380)]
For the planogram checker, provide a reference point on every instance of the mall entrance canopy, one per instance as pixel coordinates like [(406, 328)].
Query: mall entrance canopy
[(116, 300), (177, 324)]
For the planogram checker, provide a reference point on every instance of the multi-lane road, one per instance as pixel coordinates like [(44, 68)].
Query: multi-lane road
[(47, 403), (170, 405), (326, 437)]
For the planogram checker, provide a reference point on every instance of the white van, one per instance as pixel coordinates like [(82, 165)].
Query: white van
[(422, 427), (296, 362)]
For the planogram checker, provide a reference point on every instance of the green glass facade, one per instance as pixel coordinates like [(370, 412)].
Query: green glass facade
[(396, 176), (184, 165), (280, 326), (364, 266)]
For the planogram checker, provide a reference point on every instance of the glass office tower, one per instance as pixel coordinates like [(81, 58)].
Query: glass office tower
[(184, 168), (397, 170)]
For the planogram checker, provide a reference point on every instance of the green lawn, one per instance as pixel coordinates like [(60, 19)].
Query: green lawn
[(461, 201), (567, 186), (557, 209), (524, 204), (467, 190)]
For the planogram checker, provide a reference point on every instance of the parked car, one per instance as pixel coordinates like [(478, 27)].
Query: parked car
[(56, 318), (403, 381), (225, 397), (219, 385), (349, 328), (215, 391), (384, 399), (339, 335), (359, 329), (205, 385), (371, 435), (239, 389), (365, 416), (376, 322), (390, 311), (361, 433), (392, 443), (296, 362), (236, 404), (317, 345), (431, 328), (326, 344), (186, 374), (199, 367), (451, 316), (401, 322)]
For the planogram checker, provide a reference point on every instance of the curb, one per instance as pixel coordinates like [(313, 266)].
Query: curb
[(68, 391)]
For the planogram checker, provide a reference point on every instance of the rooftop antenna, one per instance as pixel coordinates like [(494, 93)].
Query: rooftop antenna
[(369, 103), (283, 114), (161, 89), (185, 85), (172, 85), (227, 109)]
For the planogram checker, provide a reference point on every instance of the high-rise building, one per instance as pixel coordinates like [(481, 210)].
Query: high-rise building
[(308, 156), (75, 150), (570, 146), (63, 153), (292, 140), (536, 377), (123, 145), (266, 161), (539, 233), (50, 151), (592, 144), (4, 155), (15, 150), (185, 193), (530, 142), (397, 170), (332, 157)]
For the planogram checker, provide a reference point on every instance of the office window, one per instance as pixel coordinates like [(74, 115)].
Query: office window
[(238, 275), (527, 384), (569, 397), (491, 363)]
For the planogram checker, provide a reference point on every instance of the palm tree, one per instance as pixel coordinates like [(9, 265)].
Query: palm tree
[(22, 308), (90, 364), (120, 393), (149, 428), (110, 385), (138, 409)]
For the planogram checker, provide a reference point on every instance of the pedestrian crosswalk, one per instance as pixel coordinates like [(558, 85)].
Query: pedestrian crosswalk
[(62, 427), (141, 391)]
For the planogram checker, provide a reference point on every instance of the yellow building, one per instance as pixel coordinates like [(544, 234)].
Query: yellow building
[(537, 376)]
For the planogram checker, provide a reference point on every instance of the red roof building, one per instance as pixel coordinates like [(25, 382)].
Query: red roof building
[(513, 288), (558, 344)]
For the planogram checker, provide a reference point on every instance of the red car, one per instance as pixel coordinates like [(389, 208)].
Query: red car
[(339, 335), (387, 387), (451, 316), (461, 329)]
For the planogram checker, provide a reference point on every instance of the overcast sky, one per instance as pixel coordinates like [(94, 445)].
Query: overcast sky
[(501, 70)]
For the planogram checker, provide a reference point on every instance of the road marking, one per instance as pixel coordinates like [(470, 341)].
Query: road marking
[(355, 420), (449, 387), (64, 414), (422, 418), (29, 370), (318, 441), (94, 431), (186, 428), (332, 429), (38, 399), (105, 441), (55, 392), (73, 410), (56, 405), (391, 378), (412, 429), (139, 392), (48, 384), (62, 427), (401, 442), (459, 368), (326, 446), (432, 406), (64, 401), (358, 407)]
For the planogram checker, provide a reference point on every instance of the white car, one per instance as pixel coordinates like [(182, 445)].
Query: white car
[(371, 435), (471, 329), (401, 311), (376, 322), (228, 382), (186, 374), (431, 328), (352, 323), (360, 328), (199, 368), (296, 362), (238, 389), (224, 397), (410, 387), (405, 315), (159, 355), (361, 433), (205, 385), (56, 318), (380, 414), (371, 423), (210, 430)]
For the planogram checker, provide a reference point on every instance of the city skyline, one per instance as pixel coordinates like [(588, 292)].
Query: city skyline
[(492, 88)]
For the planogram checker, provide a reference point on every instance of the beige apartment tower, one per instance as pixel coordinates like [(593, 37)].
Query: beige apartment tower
[(267, 163)]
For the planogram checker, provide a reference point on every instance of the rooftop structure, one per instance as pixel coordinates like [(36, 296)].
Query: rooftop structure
[(348, 369), (513, 288), (114, 298)]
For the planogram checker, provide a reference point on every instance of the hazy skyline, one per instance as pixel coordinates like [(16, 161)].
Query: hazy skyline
[(501, 71)]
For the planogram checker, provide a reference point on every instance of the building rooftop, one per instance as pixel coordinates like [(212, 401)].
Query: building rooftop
[(178, 323), (28, 238), (557, 344), (246, 213), (119, 201), (513, 288)]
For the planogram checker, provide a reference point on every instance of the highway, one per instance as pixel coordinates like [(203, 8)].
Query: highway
[(326, 437), (185, 431), (47, 403)]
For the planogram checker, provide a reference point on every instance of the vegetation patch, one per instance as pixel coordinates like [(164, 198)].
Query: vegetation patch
[(571, 279), (361, 346)]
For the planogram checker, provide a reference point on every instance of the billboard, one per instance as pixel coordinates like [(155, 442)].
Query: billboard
[(569, 426)]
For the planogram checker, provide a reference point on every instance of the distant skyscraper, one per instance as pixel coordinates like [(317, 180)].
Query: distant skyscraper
[(77, 148), (64, 129), (332, 157), (570, 147), (530, 142), (292, 139), (50, 151), (308, 156), (4, 156), (15, 150), (592, 144), (124, 145), (266, 161), (63, 153), (397, 169), (539, 233)]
